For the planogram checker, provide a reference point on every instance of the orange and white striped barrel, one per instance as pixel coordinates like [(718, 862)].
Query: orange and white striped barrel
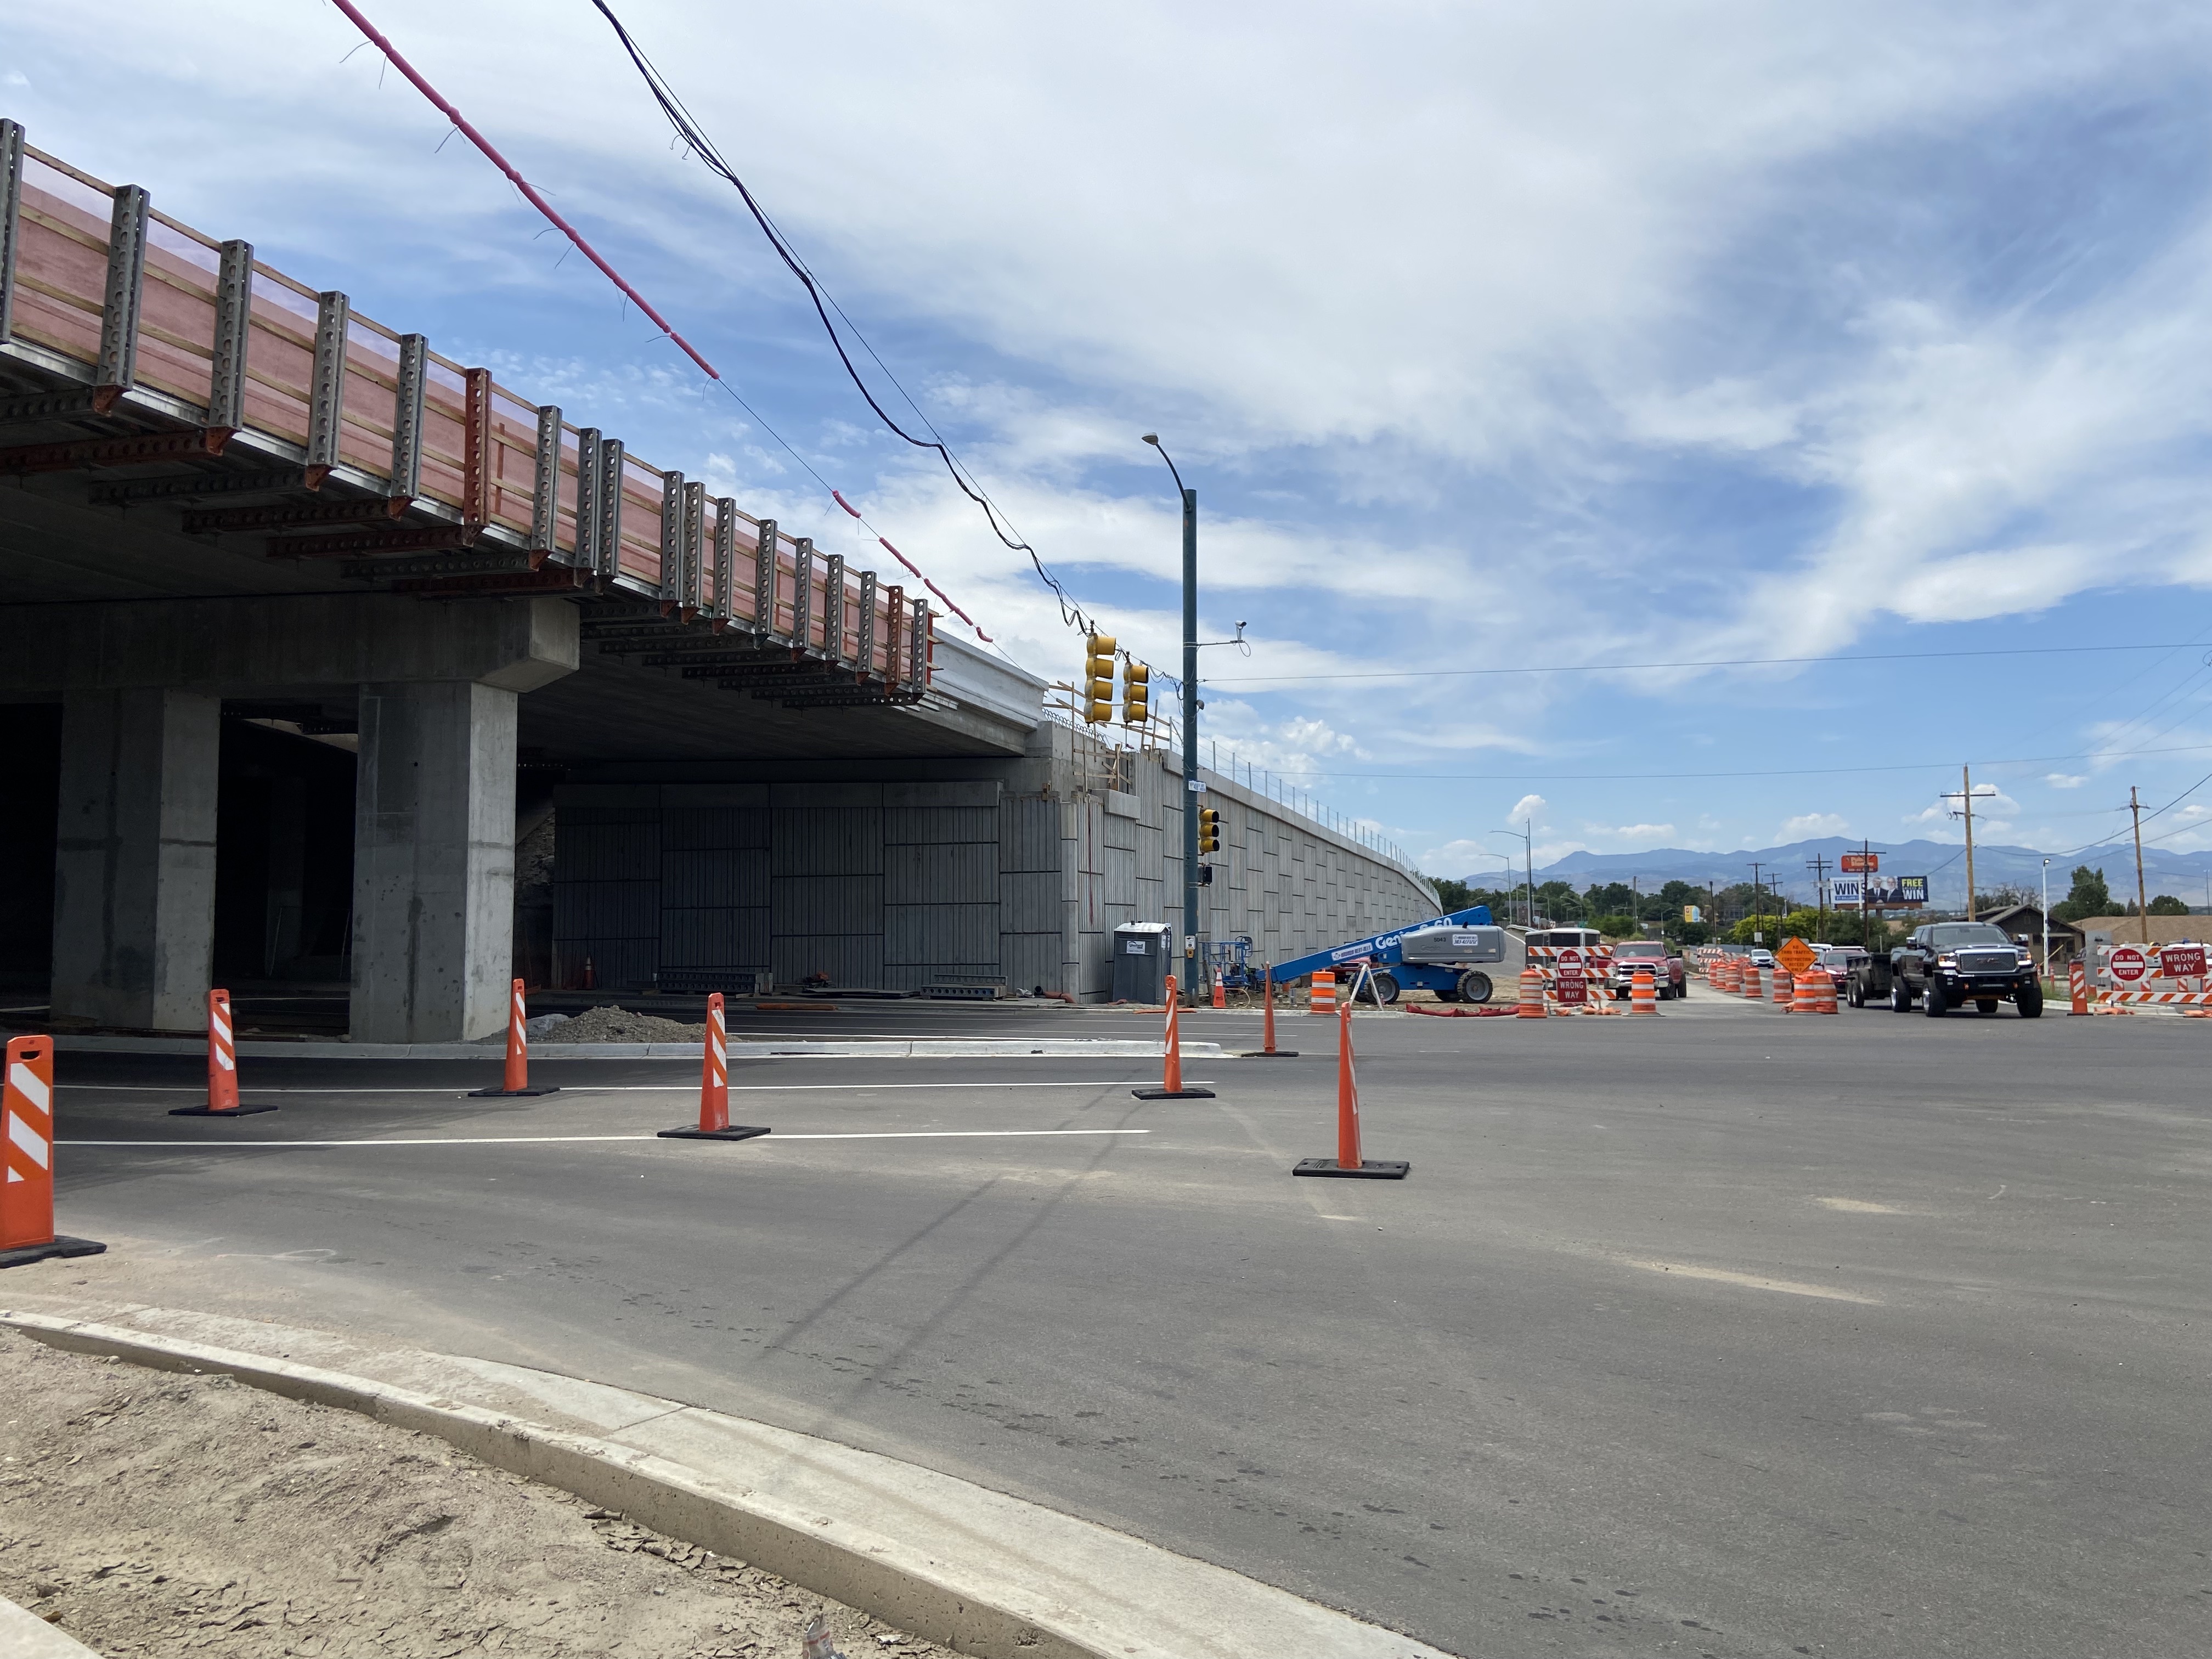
[(222, 1054), (1642, 992), (1784, 987), (1804, 997), (27, 1197), (1323, 1000), (1823, 994), (1753, 985), (1532, 995)]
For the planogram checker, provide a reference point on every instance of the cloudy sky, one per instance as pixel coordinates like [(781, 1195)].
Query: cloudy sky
[(1494, 337)]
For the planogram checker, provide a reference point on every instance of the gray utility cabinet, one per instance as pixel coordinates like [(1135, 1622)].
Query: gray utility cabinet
[(1140, 961)]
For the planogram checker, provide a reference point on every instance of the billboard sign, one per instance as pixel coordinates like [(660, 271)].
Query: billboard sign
[(1859, 863), (1882, 892), (1691, 913)]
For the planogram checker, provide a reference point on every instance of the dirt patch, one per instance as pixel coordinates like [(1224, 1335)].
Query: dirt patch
[(147, 1512), (608, 1024)]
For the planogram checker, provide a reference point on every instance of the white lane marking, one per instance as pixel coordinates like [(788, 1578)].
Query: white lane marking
[(1750, 1281), (458, 1092), (541, 1140), (1859, 1206)]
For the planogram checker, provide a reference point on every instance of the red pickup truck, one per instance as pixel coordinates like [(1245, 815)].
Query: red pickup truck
[(1667, 977)]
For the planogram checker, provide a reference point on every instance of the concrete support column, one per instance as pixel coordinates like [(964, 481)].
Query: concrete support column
[(434, 862), (133, 865)]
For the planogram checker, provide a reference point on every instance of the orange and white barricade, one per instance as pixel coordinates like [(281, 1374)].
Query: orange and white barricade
[(1642, 992), (1531, 1006), (1803, 997), (1323, 998), (1824, 993), (1785, 987), (26, 1145), (2077, 987), (222, 1065), (713, 1086), (1752, 985)]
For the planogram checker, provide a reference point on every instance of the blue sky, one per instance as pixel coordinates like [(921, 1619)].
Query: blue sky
[(1491, 336)]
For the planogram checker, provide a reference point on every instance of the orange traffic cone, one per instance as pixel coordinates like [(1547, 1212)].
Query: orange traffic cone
[(26, 1147), (222, 1067), (1172, 1071), (1348, 1161), (2077, 988), (517, 1080), (1267, 1051), (714, 1087)]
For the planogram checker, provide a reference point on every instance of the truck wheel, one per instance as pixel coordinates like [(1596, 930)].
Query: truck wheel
[(2029, 1000), (1936, 1000), (1474, 987), (1855, 994), (1987, 1005), (1385, 987), (1683, 989), (1901, 996)]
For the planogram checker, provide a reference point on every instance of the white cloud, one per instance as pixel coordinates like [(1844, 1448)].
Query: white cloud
[(1807, 826), (1528, 808), (2065, 780)]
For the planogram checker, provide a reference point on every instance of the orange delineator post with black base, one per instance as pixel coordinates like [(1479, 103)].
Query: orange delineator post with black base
[(517, 1080), (222, 1067), (1348, 1162), (1267, 1051), (714, 1087), (1171, 1069), (26, 1147)]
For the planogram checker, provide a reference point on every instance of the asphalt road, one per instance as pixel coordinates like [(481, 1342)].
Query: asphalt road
[(1726, 1333)]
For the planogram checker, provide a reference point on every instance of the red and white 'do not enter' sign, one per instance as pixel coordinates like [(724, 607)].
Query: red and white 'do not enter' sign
[(2128, 963)]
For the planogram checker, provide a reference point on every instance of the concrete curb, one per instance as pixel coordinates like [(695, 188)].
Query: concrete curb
[(24, 1635), (740, 1049), (987, 1574)]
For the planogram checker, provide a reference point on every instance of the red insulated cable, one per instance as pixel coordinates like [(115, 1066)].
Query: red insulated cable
[(900, 557), (838, 497), (515, 179)]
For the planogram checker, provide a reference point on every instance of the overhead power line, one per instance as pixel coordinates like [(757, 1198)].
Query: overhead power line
[(1773, 772), (529, 194), (695, 139)]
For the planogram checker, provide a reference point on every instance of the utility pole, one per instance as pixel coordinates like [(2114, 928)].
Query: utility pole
[(1194, 790), (2142, 906), (1966, 799), (1866, 894), (1758, 893), (1818, 866)]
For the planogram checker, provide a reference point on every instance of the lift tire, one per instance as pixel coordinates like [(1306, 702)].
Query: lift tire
[(1384, 987), (1474, 986)]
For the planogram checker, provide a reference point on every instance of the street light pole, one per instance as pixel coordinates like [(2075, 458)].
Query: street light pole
[(1192, 787)]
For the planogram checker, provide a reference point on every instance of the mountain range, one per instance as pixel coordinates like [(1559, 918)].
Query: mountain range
[(2186, 876)]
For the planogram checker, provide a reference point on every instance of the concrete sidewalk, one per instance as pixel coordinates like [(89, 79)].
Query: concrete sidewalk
[(989, 1574), (492, 1049), (24, 1635)]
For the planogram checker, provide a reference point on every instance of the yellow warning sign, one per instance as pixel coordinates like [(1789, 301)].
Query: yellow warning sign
[(1795, 955)]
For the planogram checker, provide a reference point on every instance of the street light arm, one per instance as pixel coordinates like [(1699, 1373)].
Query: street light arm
[(1153, 439)]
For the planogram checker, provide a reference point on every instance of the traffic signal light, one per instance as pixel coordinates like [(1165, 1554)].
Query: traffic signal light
[(1135, 688), (1209, 831), (1098, 680)]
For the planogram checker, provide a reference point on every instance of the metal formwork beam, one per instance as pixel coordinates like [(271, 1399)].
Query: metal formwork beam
[(867, 653), (284, 515), (587, 498), (477, 448), (234, 318), (326, 385), (369, 541), (11, 219), (894, 631), (833, 607), (609, 545), (725, 558), (78, 453), (117, 369), (407, 417), (506, 561), (694, 545), (672, 537), (190, 486), (36, 408), (764, 579), (802, 590), (545, 481)]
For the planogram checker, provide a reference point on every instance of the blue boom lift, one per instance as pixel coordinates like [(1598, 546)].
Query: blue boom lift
[(1446, 954)]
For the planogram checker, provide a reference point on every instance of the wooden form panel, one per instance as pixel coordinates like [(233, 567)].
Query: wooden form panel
[(176, 314), (61, 273), (280, 356), (372, 396)]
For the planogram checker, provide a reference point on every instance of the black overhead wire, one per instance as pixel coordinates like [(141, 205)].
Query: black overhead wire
[(695, 138)]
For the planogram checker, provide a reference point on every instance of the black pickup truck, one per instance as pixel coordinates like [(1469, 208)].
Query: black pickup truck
[(1947, 964)]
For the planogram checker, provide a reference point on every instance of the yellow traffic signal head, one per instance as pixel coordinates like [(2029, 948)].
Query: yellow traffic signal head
[(1209, 831), (1098, 680)]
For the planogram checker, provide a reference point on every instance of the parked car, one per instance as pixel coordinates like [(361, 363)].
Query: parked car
[(1761, 957), (1836, 961), (1669, 978)]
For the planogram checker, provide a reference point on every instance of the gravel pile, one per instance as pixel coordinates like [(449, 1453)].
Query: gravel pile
[(148, 1513), (608, 1024)]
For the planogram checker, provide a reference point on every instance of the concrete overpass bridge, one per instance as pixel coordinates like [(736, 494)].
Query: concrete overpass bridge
[(309, 635)]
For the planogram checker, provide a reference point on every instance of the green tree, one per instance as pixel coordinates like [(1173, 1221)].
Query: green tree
[(1617, 926), (2165, 905), (2090, 896), (1453, 895)]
